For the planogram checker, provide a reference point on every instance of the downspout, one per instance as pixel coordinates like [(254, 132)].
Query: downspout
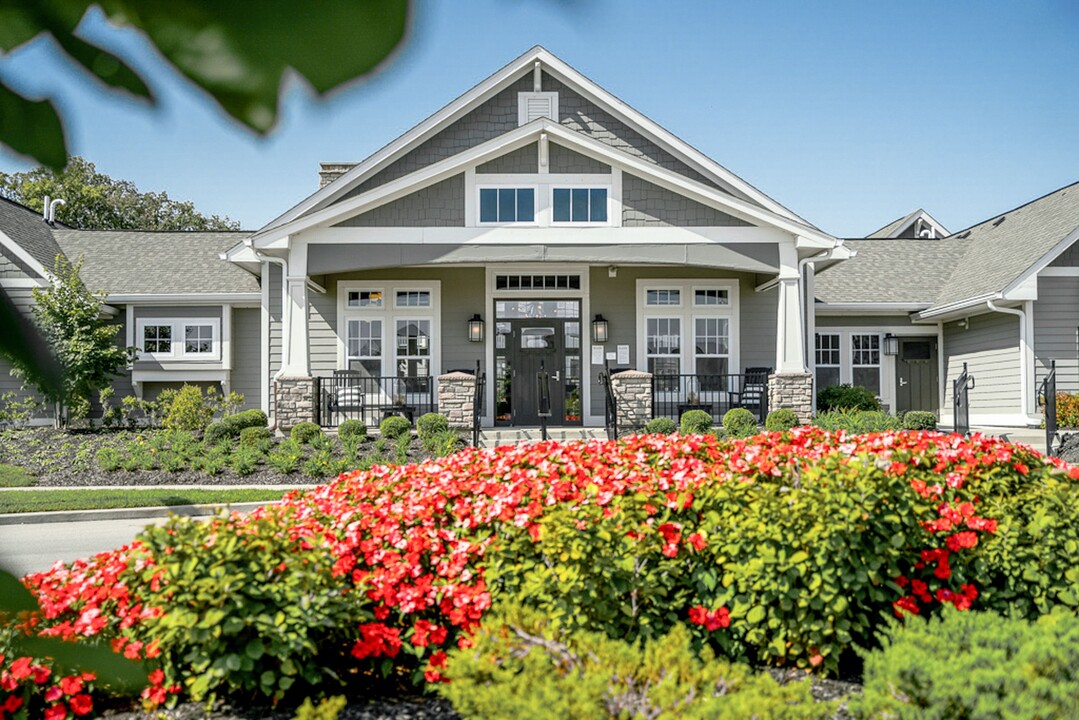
[(263, 257), (806, 349), (1024, 391)]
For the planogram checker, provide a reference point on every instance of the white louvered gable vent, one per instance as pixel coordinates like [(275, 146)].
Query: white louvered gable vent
[(532, 105)]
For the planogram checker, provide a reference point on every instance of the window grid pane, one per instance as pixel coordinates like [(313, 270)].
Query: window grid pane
[(597, 208), (865, 349), (414, 298), (663, 297), (828, 350), (711, 296), (157, 338), (198, 339)]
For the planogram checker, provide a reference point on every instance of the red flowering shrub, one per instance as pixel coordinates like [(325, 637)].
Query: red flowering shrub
[(785, 548)]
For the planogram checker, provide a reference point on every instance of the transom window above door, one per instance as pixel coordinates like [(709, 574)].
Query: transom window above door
[(507, 205)]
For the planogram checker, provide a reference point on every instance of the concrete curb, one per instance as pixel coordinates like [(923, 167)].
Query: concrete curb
[(68, 516)]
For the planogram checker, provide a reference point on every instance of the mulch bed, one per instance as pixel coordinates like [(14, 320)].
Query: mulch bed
[(69, 459)]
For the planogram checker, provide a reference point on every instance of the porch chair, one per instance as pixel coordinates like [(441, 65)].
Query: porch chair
[(756, 385), (346, 394)]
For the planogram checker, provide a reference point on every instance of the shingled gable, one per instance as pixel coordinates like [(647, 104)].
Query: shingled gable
[(694, 165), (904, 227)]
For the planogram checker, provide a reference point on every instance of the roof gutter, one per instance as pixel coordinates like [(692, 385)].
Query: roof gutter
[(283, 263), (959, 305)]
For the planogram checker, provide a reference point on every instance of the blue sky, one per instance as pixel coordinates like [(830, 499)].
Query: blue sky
[(851, 113)]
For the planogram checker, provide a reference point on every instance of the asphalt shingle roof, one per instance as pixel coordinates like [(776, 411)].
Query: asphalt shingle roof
[(26, 228), (976, 262), (136, 261)]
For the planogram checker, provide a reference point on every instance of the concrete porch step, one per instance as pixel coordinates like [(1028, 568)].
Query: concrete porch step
[(494, 437)]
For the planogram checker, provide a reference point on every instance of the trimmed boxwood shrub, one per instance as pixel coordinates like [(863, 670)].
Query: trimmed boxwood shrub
[(305, 432), (845, 397), (974, 665), (246, 419), (255, 435), (781, 419), (394, 426), (857, 421), (919, 420), (351, 429), (781, 549), (739, 422), (695, 422), (519, 665), (216, 432), (430, 424), (663, 426)]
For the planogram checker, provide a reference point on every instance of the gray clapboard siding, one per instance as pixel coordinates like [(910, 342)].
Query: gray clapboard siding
[(1056, 331), (273, 277), (438, 205), (247, 355), (990, 347)]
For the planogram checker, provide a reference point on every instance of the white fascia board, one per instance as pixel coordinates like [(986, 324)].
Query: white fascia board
[(807, 236), (1043, 262), (943, 311), (547, 236), (866, 308), (184, 298), (24, 282), (17, 250), (486, 89)]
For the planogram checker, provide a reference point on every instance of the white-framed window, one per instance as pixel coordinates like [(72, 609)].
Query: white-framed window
[(390, 329), (579, 205), (179, 338), (688, 327), (828, 359), (865, 361), (507, 205)]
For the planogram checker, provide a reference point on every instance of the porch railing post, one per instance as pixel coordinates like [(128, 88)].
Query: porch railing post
[(1049, 392)]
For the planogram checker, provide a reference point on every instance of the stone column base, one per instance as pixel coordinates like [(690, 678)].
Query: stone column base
[(294, 401), (455, 396), (633, 399), (794, 391)]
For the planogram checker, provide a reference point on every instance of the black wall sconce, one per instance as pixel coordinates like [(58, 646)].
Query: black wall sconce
[(891, 345), (599, 330), (475, 328)]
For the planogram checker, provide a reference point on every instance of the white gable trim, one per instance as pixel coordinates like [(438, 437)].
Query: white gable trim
[(490, 87), (1041, 264), (17, 250), (519, 137), (906, 222)]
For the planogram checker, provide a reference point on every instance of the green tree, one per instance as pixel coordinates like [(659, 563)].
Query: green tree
[(238, 52), (95, 200), (69, 318)]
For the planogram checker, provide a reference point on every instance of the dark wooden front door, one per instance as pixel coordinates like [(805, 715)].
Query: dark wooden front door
[(536, 345), (917, 378)]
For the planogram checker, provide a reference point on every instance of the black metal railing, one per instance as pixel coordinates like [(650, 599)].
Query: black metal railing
[(478, 396), (349, 395), (1049, 392), (674, 395), (543, 397), (961, 388), (610, 404)]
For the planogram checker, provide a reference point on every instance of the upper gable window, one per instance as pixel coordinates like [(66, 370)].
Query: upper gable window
[(579, 205), (507, 205)]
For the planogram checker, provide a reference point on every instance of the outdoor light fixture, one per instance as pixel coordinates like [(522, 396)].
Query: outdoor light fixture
[(599, 330), (475, 328), (891, 344)]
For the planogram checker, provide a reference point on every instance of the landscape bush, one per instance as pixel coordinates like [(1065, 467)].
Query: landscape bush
[(186, 409), (394, 427), (519, 665), (352, 429), (857, 422), (1068, 410), (974, 665), (739, 423), (780, 420), (255, 436), (919, 420), (845, 397), (429, 424), (217, 432), (783, 549), (663, 426), (305, 433), (695, 422)]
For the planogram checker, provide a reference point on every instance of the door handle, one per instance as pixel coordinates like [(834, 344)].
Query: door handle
[(555, 375), (902, 382)]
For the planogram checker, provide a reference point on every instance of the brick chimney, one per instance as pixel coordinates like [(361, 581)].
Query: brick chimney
[(330, 171)]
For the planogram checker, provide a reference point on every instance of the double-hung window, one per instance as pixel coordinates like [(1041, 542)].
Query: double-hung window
[(865, 361), (507, 205), (579, 205), (828, 359)]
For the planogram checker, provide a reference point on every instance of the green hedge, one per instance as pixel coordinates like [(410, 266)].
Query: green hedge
[(857, 421), (305, 432), (919, 420), (845, 397), (663, 426), (974, 665), (781, 419), (351, 429), (740, 422), (394, 426)]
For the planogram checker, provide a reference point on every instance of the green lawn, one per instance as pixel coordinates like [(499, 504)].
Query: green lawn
[(14, 476), (41, 500)]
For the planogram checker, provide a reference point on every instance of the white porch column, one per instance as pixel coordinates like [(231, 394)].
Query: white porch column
[(790, 332), (296, 361)]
